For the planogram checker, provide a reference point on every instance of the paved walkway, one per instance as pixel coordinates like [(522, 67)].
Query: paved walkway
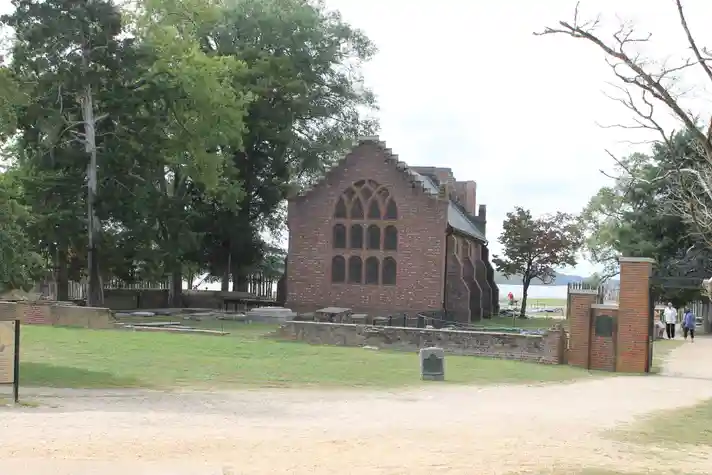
[(433, 430), (691, 360)]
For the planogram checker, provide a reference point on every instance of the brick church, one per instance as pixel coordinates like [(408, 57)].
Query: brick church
[(380, 237)]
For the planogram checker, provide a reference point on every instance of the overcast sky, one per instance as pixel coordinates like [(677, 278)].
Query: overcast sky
[(465, 84)]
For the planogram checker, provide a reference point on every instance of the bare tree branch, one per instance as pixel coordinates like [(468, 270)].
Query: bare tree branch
[(642, 79), (690, 176)]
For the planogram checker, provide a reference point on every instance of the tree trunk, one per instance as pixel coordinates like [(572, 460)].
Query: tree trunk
[(95, 297), (525, 291), (225, 285), (62, 276), (175, 293), (239, 281)]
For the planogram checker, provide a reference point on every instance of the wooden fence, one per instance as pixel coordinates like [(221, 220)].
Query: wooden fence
[(256, 284)]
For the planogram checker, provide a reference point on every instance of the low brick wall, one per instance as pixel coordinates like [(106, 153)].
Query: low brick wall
[(547, 348), (49, 313)]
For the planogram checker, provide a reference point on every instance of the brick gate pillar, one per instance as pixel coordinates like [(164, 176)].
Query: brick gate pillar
[(634, 314), (580, 326)]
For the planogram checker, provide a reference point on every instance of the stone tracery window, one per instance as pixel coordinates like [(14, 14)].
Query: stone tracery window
[(372, 271), (390, 238), (364, 211), (389, 271), (355, 270), (374, 237), (338, 269), (338, 239), (356, 236)]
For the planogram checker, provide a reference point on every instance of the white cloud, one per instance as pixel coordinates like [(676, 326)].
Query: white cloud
[(465, 84)]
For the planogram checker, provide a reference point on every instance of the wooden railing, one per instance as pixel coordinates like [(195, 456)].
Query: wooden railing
[(256, 284)]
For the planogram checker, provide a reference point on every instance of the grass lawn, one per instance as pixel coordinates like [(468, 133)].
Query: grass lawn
[(691, 426), (531, 323), (79, 358)]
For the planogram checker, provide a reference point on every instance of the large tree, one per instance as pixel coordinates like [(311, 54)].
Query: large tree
[(534, 248), (308, 104), (648, 88), (634, 217), (63, 55), (20, 264)]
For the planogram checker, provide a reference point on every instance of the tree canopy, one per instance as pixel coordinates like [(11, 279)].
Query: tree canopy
[(634, 217), (162, 142), (534, 248)]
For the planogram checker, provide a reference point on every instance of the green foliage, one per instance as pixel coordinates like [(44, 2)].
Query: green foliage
[(207, 115), (535, 247), (20, 265), (305, 111), (633, 217)]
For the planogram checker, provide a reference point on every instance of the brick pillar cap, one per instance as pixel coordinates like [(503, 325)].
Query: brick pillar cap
[(648, 260), (584, 291)]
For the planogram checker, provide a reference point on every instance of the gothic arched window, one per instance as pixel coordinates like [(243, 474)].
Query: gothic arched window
[(388, 271), (355, 270), (338, 269), (373, 240), (339, 236), (390, 238), (357, 212), (372, 271), (356, 236)]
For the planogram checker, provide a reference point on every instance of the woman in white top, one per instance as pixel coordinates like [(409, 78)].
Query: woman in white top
[(670, 316)]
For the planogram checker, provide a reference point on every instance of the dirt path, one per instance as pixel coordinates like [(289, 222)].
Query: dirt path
[(453, 430)]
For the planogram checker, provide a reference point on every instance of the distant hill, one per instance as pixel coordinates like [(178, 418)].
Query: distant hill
[(561, 279)]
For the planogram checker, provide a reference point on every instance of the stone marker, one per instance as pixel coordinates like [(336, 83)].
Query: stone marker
[(270, 314), (432, 364)]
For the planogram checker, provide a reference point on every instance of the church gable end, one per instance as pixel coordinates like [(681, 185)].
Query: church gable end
[(368, 236)]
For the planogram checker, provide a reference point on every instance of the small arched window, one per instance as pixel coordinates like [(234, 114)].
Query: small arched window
[(374, 237), (388, 271), (372, 271), (374, 211), (339, 236), (338, 269), (390, 238), (355, 270), (391, 210), (356, 209), (340, 211), (356, 236)]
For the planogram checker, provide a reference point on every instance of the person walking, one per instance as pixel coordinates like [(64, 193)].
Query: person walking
[(688, 325), (670, 320)]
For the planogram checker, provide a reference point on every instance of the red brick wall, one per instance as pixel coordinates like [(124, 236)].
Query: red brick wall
[(422, 221), (458, 293), (634, 311), (466, 192), (580, 328), (36, 314), (603, 349)]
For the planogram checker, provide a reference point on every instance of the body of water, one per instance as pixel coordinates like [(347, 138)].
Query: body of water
[(535, 291)]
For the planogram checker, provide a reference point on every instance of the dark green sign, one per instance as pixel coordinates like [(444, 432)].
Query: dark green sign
[(604, 325), (432, 365)]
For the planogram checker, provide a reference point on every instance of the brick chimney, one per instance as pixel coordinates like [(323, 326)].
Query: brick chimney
[(482, 218), (466, 194)]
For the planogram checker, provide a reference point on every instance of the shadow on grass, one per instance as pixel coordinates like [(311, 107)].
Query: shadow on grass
[(52, 376)]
